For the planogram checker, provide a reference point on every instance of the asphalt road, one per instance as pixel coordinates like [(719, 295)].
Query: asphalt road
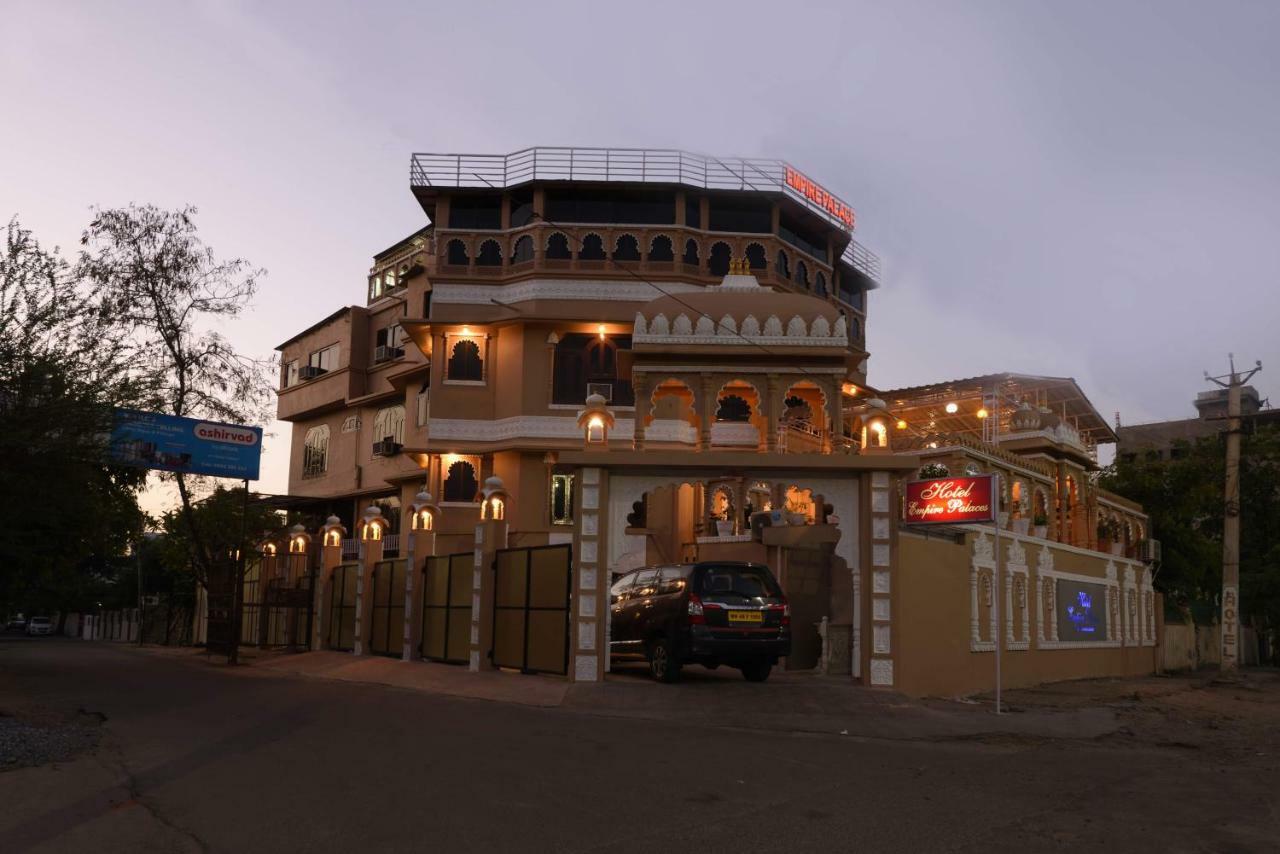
[(194, 758)]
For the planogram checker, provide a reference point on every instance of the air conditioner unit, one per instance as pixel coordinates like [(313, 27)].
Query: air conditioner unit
[(605, 390), (310, 372), (1151, 551), (386, 354), (388, 447)]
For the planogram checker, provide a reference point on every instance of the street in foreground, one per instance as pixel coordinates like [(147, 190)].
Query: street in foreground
[(164, 752)]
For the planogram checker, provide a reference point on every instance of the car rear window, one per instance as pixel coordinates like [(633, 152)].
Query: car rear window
[(737, 584)]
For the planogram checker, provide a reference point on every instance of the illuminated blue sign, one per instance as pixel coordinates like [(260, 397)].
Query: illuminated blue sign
[(168, 443), (1082, 611)]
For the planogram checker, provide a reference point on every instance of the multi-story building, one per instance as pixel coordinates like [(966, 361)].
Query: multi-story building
[(1164, 438), (623, 355), (483, 333)]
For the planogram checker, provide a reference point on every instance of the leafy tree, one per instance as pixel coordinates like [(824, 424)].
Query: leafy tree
[(1184, 497), (64, 513), (165, 287)]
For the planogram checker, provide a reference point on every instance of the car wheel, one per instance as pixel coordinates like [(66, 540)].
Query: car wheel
[(757, 671), (662, 661)]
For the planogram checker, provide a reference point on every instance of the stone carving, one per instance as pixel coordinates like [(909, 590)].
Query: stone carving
[(1016, 554), (983, 549), (796, 327), (1044, 561), (881, 671), (705, 326), (772, 327), (751, 327), (682, 325)]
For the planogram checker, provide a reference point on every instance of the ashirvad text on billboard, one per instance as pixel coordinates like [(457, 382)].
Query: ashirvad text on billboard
[(152, 440), (950, 500)]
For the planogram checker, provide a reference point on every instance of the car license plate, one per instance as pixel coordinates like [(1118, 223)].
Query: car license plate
[(746, 617)]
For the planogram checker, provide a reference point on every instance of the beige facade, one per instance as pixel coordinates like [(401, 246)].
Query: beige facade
[(542, 379)]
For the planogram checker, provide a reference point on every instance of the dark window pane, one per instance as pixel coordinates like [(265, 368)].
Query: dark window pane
[(460, 484), (476, 212), (626, 249), (592, 205), (558, 247), (580, 359), (456, 253), (592, 248), (756, 256), (733, 409), (490, 254), (802, 238), (718, 262), (660, 249), (739, 214), (464, 362), (692, 212), (691, 252)]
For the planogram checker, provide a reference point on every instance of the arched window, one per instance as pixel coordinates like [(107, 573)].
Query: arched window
[(389, 424), (490, 254), (802, 274), (796, 410), (456, 253), (460, 484), (784, 265), (718, 261), (660, 249), (523, 250), (465, 362), (592, 248), (691, 252), (756, 256), (315, 451), (558, 247), (820, 284), (626, 249), (584, 359), (733, 408), (855, 329)]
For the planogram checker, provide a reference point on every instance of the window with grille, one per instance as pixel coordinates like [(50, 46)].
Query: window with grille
[(315, 451)]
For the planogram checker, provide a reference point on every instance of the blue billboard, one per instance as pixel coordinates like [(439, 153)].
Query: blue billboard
[(168, 443)]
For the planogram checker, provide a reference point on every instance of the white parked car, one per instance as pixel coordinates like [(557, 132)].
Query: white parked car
[(39, 626)]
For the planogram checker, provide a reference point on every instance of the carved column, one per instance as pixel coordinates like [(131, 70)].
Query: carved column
[(640, 386), (708, 412), (771, 414)]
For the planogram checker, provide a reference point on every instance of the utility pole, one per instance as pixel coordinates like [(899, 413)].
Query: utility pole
[(1230, 636)]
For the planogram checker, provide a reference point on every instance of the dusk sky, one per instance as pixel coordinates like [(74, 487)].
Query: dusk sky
[(1085, 189)]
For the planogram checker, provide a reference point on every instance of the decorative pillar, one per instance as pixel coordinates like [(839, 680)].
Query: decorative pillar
[(372, 528), (771, 413), (881, 548), (708, 412), (640, 386), (590, 654), (268, 572), (420, 544), (331, 534), (835, 415), (491, 535)]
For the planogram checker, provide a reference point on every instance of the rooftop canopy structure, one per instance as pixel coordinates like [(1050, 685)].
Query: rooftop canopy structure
[(1028, 406)]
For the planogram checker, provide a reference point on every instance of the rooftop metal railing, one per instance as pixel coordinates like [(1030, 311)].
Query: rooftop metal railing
[(645, 166)]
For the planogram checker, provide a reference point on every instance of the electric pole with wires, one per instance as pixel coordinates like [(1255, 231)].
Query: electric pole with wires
[(1230, 630)]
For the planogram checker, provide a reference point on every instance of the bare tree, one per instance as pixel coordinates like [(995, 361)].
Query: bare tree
[(166, 287)]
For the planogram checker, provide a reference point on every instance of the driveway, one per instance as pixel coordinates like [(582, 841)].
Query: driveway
[(192, 757)]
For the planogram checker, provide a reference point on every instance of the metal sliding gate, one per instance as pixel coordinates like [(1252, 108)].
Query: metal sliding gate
[(340, 628), (446, 607), (531, 609), (386, 629)]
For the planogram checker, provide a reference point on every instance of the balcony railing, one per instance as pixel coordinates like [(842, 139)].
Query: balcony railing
[(638, 165)]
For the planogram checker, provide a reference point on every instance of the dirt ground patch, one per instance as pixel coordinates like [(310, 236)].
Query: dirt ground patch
[(1222, 720), (38, 736)]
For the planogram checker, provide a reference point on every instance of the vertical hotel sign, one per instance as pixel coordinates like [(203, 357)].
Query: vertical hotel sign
[(950, 501), (811, 190)]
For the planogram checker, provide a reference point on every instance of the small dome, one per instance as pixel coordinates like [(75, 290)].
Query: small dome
[(596, 399), (333, 521)]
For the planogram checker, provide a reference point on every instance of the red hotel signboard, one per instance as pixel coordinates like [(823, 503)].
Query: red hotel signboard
[(950, 500)]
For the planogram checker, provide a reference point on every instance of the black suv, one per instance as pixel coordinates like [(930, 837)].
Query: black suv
[(711, 613)]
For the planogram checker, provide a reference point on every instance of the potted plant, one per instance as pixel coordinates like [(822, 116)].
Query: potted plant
[(1109, 536), (1040, 527), (797, 512), (1021, 523)]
